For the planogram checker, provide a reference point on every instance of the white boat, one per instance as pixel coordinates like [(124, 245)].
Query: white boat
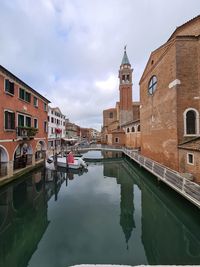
[(79, 163)]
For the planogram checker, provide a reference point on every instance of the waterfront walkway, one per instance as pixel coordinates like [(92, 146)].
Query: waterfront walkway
[(173, 179)]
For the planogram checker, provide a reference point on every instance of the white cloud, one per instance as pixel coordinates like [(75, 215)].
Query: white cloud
[(108, 84)]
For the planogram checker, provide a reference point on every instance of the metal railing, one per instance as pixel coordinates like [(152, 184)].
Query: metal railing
[(26, 132), (185, 187)]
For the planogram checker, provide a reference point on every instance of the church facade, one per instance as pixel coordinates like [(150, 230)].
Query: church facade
[(170, 102)]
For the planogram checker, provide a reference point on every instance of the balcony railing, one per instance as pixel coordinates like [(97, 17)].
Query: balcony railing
[(26, 132)]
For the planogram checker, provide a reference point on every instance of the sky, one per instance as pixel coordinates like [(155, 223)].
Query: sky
[(70, 51)]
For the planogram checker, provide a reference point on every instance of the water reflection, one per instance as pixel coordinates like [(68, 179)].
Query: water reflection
[(116, 213), (117, 171), (23, 220), (170, 224)]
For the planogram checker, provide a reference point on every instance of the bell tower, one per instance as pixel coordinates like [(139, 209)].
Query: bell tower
[(125, 90)]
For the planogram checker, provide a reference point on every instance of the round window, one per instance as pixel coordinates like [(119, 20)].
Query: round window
[(152, 85)]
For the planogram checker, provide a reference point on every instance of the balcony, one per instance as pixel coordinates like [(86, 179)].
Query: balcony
[(25, 132)]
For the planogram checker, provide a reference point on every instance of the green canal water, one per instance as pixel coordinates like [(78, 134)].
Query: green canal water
[(116, 213)]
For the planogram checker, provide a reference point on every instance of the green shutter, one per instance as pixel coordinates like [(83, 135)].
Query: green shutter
[(12, 120), (12, 88), (6, 119), (7, 85), (21, 93)]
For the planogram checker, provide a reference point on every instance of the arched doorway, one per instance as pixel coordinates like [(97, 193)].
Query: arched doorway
[(22, 156), (40, 150), (3, 161)]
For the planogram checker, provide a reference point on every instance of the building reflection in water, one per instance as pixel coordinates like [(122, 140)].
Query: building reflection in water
[(169, 234), (117, 171), (23, 220), (170, 224)]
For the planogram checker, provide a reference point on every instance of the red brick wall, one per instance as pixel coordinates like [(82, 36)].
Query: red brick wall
[(188, 71), (125, 97), (121, 136), (191, 28), (13, 103), (133, 140), (106, 116), (158, 113), (188, 168)]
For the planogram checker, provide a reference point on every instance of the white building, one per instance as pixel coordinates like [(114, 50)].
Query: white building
[(56, 127)]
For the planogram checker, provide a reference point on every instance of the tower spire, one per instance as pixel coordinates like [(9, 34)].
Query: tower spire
[(125, 60)]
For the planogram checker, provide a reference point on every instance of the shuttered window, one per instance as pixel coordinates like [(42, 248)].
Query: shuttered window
[(9, 87), (9, 120), (24, 95)]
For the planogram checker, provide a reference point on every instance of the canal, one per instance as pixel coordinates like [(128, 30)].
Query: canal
[(115, 213)]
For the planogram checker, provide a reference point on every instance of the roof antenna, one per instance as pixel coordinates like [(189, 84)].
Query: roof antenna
[(125, 48)]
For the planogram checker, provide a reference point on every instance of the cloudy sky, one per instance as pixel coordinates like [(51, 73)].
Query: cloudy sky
[(70, 50)]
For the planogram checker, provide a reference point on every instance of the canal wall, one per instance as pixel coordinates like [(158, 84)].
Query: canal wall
[(18, 173)]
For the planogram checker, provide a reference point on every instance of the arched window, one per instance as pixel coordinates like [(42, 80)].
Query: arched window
[(133, 129), (152, 85), (128, 130), (191, 122), (138, 128)]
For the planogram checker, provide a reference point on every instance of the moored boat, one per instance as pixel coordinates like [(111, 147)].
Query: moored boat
[(78, 163)]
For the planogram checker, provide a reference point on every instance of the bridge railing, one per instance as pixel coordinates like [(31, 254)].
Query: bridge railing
[(98, 147), (174, 179)]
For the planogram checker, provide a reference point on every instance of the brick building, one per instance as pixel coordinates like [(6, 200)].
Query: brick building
[(116, 121), (170, 101), (23, 124)]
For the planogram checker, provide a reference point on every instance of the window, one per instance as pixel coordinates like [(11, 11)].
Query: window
[(24, 121), (35, 121), (24, 95), (152, 85), (9, 87), (28, 121), (28, 97), (21, 93), (35, 101), (45, 107), (191, 122), (190, 158), (20, 120), (133, 129), (111, 115), (45, 127), (128, 130), (116, 139), (9, 118), (138, 128), (52, 119)]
